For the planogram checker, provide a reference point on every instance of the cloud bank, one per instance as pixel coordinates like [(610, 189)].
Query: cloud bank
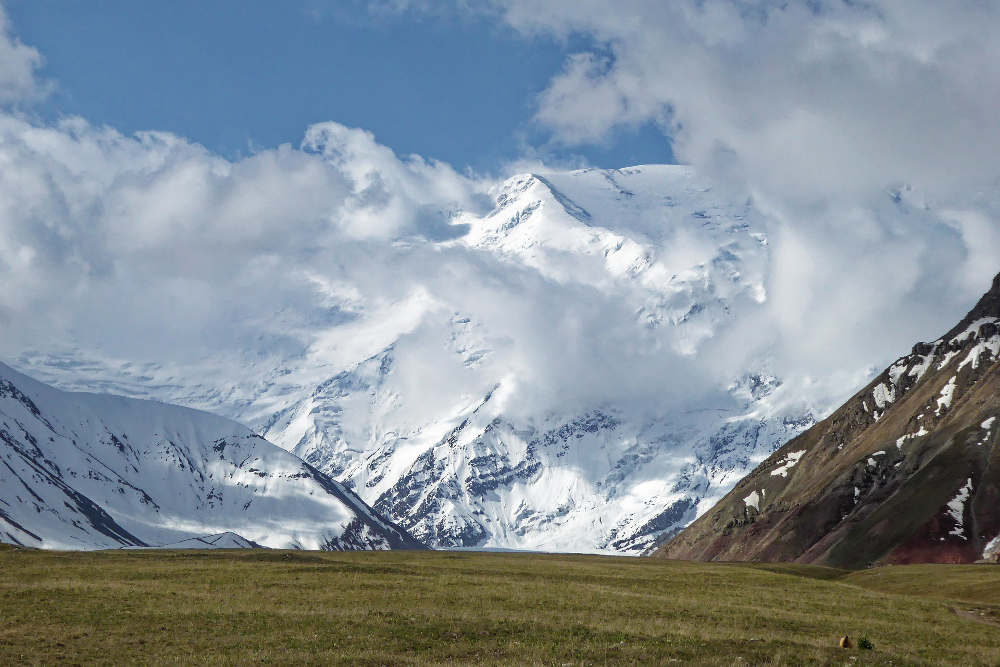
[(152, 230), (865, 131), (152, 249)]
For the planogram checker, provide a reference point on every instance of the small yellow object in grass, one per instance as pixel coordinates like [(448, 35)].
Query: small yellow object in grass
[(845, 642)]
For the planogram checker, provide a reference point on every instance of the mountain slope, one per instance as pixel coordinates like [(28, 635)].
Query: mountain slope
[(554, 384), (98, 471), (906, 471)]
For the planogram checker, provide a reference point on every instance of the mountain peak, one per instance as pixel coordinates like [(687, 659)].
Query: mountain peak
[(987, 307)]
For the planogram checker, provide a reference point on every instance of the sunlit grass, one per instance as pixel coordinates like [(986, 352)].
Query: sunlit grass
[(412, 608)]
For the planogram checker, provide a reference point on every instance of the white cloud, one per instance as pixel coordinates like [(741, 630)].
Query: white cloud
[(391, 195), (96, 226), (18, 63)]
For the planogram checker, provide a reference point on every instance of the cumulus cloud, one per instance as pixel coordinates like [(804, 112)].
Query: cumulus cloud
[(858, 93), (390, 195), (92, 221)]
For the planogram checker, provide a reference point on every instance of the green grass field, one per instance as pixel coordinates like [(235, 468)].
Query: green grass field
[(443, 608)]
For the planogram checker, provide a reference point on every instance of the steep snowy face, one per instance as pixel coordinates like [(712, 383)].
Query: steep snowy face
[(605, 479), (653, 233), (556, 377), (96, 471)]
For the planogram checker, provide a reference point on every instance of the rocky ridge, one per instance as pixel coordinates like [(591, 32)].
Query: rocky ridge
[(906, 471)]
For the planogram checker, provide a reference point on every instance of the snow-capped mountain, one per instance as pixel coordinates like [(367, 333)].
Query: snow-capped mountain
[(99, 471), (685, 256), (609, 476), (511, 406)]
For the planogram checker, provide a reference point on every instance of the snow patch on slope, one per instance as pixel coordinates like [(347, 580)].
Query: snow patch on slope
[(944, 400), (787, 464), (956, 509), (884, 395)]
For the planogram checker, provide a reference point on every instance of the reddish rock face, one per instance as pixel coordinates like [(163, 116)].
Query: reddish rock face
[(907, 471), (934, 543)]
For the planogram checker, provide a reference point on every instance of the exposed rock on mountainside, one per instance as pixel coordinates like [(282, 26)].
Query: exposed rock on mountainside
[(907, 471), (227, 540), (84, 471)]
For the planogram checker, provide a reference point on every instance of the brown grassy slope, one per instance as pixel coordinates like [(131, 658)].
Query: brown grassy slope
[(367, 609), (855, 497)]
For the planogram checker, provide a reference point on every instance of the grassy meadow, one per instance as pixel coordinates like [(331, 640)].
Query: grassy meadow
[(457, 608)]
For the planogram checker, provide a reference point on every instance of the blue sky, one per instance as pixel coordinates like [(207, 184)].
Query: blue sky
[(239, 75)]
